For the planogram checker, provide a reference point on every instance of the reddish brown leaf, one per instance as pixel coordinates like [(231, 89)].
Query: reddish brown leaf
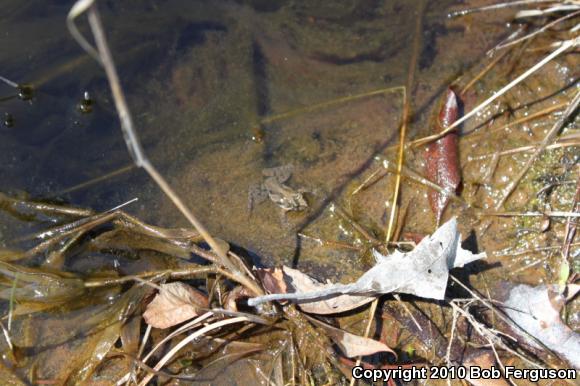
[(272, 279), (441, 157)]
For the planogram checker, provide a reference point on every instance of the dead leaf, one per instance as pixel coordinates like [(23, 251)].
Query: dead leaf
[(175, 303), (442, 159), (272, 279), (352, 345), (232, 297), (297, 281), (537, 311), (422, 272)]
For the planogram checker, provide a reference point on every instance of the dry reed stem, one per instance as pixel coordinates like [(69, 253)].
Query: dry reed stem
[(482, 73), (95, 180), (329, 103), (538, 31), (474, 135), (521, 150), (199, 333), (515, 3), (505, 319)]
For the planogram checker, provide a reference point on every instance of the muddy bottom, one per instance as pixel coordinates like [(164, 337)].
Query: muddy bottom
[(222, 92)]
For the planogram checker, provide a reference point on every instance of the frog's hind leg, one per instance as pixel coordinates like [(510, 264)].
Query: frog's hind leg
[(256, 195)]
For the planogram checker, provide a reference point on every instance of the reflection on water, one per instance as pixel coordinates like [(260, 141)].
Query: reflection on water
[(199, 76)]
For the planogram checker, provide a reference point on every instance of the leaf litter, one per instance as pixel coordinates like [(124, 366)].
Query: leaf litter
[(537, 311), (350, 344), (422, 272), (175, 303)]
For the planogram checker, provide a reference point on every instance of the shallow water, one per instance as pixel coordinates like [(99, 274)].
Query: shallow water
[(207, 83), (199, 77)]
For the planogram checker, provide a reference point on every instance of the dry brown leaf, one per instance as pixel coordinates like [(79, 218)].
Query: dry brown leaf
[(272, 279), (352, 345), (175, 303)]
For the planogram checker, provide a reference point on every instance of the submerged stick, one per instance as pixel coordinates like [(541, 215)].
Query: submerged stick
[(103, 55)]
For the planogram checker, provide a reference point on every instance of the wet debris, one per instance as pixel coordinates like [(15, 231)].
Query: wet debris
[(422, 272)]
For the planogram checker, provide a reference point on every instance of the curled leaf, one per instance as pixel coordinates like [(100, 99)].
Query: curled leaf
[(175, 303), (537, 311), (442, 159), (272, 279), (291, 280)]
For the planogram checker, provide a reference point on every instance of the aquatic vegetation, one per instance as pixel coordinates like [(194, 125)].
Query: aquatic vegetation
[(127, 302)]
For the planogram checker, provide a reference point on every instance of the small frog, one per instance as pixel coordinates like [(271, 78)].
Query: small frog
[(273, 187)]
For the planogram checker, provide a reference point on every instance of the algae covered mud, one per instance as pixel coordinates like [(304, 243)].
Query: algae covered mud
[(277, 123)]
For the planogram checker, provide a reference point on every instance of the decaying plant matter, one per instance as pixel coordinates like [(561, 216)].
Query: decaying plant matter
[(198, 308)]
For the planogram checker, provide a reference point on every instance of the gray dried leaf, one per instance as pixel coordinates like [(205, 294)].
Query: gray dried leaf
[(422, 272), (537, 311), (175, 303)]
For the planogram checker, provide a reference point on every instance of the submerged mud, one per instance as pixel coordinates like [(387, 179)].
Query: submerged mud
[(222, 91)]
